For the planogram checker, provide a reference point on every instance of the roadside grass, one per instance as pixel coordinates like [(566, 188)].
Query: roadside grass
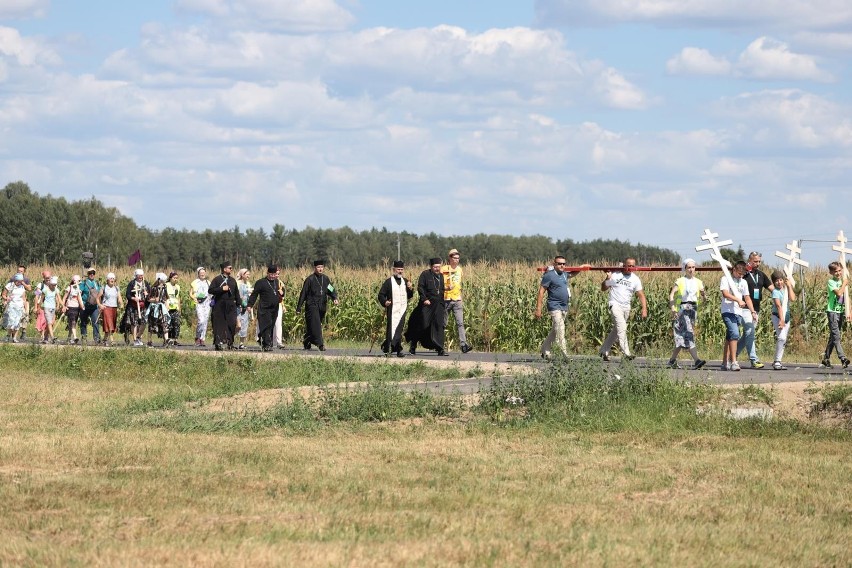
[(580, 468)]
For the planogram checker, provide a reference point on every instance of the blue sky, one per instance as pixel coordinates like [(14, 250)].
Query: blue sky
[(642, 120)]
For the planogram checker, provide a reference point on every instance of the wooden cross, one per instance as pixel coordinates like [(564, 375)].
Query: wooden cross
[(792, 260), (843, 250), (716, 255)]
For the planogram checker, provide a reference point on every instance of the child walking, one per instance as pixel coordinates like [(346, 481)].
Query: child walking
[(836, 311), (782, 295)]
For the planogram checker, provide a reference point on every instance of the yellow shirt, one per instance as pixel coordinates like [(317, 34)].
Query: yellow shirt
[(452, 276)]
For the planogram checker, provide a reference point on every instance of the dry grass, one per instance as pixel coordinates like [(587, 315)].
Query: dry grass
[(426, 493)]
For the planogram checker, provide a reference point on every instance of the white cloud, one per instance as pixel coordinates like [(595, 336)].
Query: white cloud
[(735, 14), (763, 59), (789, 118), (697, 61), (766, 58), (26, 52), (728, 167), (23, 8), (535, 186), (619, 92), (529, 67), (292, 15)]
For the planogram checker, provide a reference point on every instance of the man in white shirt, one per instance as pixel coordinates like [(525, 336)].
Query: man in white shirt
[(622, 286)]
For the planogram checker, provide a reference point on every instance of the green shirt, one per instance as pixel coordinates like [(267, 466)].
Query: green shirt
[(835, 303)]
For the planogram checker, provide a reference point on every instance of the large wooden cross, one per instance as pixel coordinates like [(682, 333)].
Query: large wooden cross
[(793, 259), (843, 250), (716, 255)]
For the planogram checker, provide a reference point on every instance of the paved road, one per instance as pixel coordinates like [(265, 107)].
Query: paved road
[(796, 371)]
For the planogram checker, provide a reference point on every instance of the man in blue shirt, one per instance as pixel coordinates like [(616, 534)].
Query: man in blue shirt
[(555, 283)]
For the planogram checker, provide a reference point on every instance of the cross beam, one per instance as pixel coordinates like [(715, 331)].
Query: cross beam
[(716, 254), (844, 250)]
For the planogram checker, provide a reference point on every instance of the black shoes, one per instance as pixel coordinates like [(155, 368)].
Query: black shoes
[(321, 348), (400, 353), (465, 348), (412, 350), (306, 346), (443, 353)]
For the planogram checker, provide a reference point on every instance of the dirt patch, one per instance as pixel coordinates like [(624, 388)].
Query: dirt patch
[(798, 401)]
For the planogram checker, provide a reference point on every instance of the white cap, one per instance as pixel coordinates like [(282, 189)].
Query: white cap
[(75, 278), (53, 280), (139, 272), (162, 277), (110, 275)]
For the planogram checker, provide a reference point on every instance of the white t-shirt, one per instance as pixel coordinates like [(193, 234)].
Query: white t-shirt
[(740, 289), (622, 287), (110, 297)]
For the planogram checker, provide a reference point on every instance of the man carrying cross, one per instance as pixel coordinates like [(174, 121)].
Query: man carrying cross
[(757, 281), (622, 286)]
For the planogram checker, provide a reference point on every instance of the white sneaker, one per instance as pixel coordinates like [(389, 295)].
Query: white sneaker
[(735, 366), (778, 366), (545, 355)]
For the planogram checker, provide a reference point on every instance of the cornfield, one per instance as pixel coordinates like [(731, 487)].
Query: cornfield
[(499, 301)]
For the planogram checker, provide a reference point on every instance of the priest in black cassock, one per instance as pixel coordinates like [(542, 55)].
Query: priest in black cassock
[(226, 298), (316, 291), (393, 297), (429, 318), (267, 294)]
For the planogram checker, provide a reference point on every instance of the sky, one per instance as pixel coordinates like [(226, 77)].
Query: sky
[(640, 120)]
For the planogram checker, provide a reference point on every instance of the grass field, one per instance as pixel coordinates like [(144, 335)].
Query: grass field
[(107, 458)]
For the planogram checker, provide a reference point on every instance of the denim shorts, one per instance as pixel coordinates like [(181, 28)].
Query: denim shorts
[(732, 326)]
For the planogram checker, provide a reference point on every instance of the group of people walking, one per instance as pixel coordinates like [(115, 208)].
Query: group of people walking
[(228, 304), (741, 297), (223, 301), (439, 289)]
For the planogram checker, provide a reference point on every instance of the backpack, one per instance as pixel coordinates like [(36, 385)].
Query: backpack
[(91, 294)]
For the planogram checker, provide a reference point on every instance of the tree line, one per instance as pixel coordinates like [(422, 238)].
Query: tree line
[(49, 230)]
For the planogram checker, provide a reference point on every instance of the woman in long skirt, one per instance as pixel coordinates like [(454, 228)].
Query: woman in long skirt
[(111, 300), (683, 301)]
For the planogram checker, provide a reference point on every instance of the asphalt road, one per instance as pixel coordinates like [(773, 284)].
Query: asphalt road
[(797, 372), (711, 372)]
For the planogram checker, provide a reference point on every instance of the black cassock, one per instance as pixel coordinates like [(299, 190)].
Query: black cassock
[(314, 296), (267, 295), (395, 313), (427, 322), (224, 311)]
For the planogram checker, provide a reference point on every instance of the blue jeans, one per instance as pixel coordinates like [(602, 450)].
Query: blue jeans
[(732, 325), (90, 312), (747, 340)]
